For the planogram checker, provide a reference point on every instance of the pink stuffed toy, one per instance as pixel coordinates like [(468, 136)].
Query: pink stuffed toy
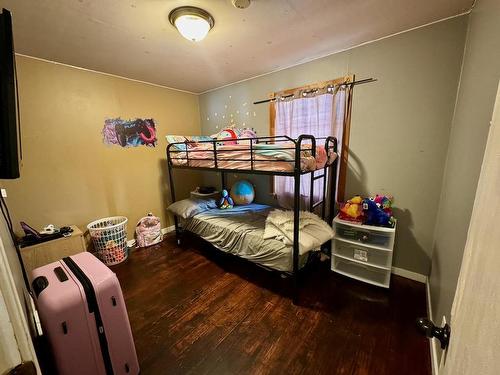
[(321, 157), (228, 137)]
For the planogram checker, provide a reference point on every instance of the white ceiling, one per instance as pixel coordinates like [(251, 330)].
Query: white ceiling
[(133, 38)]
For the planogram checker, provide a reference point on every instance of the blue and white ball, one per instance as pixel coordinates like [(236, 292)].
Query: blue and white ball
[(242, 193)]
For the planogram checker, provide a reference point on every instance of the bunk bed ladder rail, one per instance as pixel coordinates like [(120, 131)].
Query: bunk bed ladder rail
[(326, 174), (331, 143), (296, 208), (172, 192)]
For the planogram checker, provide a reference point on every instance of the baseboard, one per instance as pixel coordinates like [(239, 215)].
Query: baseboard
[(409, 275), (433, 343), (168, 229), (131, 243)]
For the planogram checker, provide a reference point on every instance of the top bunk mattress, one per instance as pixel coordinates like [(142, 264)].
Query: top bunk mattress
[(276, 157), (239, 231)]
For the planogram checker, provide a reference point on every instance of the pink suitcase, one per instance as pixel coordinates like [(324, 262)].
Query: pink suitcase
[(83, 314)]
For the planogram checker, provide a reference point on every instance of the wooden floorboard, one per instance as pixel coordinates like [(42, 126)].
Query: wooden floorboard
[(195, 311)]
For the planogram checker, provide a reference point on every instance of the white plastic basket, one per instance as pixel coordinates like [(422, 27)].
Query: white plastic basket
[(109, 236)]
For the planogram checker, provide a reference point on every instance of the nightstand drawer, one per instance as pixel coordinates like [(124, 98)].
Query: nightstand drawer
[(361, 272), (366, 236), (382, 258)]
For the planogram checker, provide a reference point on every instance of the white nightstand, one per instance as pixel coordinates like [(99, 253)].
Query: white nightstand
[(363, 252)]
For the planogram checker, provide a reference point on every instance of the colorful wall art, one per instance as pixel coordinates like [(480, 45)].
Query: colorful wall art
[(129, 133)]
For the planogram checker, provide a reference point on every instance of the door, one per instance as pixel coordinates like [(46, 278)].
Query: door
[(475, 318), (9, 351)]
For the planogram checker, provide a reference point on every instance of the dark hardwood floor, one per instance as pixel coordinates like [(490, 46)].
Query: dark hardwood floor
[(195, 311)]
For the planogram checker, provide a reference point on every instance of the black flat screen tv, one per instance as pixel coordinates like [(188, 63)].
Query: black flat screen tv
[(10, 147)]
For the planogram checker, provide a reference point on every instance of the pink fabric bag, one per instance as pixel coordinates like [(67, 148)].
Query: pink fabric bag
[(148, 231)]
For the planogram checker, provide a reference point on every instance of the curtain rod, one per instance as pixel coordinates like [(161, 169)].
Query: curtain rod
[(360, 82)]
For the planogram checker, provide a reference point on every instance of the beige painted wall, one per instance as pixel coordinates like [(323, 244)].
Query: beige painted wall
[(478, 84), (69, 176), (400, 124)]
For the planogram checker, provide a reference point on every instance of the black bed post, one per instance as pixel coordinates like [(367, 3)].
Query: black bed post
[(222, 181), (296, 213), (172, 194), (333, 184)]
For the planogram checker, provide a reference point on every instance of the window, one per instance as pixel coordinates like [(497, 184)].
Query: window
[(320, 110)]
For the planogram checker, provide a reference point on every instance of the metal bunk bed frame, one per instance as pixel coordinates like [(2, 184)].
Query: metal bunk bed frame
[(329, 176)]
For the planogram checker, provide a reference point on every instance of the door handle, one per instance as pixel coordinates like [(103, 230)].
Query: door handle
[(427, 328)]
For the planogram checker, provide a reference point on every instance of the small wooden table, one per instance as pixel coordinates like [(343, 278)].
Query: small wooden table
[(47, 252)]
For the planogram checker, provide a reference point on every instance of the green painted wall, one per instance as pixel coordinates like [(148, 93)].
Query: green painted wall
[(400, 124), (476, 98)]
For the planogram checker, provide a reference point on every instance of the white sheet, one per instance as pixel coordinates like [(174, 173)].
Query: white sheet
[(313, 231)]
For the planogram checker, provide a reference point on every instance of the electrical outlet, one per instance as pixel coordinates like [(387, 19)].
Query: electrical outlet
[(4, 193)]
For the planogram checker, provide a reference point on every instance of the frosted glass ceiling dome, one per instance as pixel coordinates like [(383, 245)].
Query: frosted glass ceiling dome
[(192, 23)]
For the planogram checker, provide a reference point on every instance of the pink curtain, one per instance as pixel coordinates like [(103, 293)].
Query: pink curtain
[(320, 115)]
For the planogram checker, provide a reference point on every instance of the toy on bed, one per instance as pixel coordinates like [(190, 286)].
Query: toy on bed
[(231, 135), (225, 202), (352, 210), (227, 137), (321, 157), (242, 193), (374, 213), (188, 142), (244, 134)]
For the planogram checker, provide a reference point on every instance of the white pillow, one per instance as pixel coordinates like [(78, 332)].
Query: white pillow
[(187, 208)]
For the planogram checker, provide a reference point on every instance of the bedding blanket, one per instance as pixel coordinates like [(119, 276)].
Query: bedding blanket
[(239, 231), (278, 157), (313, 231)]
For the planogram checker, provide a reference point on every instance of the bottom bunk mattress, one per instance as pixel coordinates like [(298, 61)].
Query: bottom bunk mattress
[(239, 231)]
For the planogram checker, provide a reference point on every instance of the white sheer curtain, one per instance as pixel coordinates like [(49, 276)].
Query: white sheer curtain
[(320, 115)]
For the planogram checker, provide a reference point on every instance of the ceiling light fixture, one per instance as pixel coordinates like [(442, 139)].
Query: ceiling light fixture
[(193, 23)]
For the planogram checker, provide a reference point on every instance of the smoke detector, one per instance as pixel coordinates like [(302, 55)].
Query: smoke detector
[(241, 4)]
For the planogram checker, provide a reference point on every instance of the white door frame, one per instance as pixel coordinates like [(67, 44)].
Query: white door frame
[(16, 344), (9, 350)]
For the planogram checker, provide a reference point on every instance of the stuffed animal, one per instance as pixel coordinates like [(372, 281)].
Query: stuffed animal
[(245, 133), (227, 137), (384, 202), (352, 209), (225, 201), (375, 215)]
